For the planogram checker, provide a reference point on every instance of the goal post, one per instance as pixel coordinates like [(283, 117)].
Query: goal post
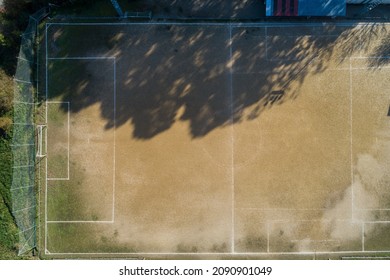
[(41, 148)]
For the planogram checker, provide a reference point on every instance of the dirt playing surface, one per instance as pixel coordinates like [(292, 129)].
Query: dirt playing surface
[(221, 138)]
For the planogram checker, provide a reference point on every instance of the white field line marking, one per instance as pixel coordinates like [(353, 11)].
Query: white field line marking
[(83, 58), (284, 71), (292, 221), (373, 209), (46, 103), (80, 222), (41, 140), (371, 67), (229, 254), (367, 258), (315, 241), (363, 229), (370, 57), (232, 136), (138, 24), (266, 43), (68, 138), (274, 25), (114, 148), (351, 138), (377, 222), (268, 234), (39, 218), (303, 35), (281, 209)]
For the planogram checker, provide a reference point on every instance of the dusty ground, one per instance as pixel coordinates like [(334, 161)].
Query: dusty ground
[(241, 138)]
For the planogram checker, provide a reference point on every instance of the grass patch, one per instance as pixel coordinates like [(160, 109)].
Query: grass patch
[(85, 238), (8, 229), (63, 198), (100, 8)]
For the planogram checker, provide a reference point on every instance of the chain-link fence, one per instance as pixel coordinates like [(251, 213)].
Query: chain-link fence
[(23, 144)]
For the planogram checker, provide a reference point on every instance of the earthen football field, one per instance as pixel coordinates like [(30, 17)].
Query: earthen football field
[(216, 139)]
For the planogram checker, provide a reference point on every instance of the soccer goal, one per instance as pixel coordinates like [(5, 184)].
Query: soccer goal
[(41, 149)]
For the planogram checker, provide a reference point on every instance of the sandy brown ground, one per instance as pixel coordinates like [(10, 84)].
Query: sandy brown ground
[(296, 173)]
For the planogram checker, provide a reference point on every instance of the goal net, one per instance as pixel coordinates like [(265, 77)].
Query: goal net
[(41, 132)]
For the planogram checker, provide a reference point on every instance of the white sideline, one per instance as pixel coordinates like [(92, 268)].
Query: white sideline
[(234, 25), (227, 254), (231, 62), (82, 58), (351, 139), (363, 231), (114, 159), (80, 222), (46, 98), (373, 209)]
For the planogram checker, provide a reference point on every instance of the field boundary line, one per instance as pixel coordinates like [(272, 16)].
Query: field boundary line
[(280, 221), (229, 254), (234, 25), (351, 139), (266, 42), (114, 155), (377, 222), (80, 222), (363, 231), (230, 59), (82, 58), (369, 57), (281, 209), (268, 236), (370, 67), (46, 96), (373, 209)]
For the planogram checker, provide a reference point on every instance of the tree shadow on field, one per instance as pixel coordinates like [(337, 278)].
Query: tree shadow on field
[(248, 9), (170, 73)]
